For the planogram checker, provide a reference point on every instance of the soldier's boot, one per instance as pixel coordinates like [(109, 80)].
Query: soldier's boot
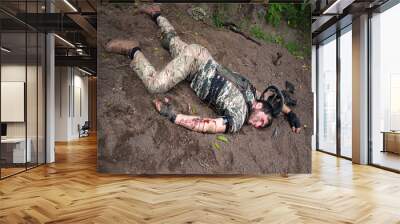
[(120, 46)]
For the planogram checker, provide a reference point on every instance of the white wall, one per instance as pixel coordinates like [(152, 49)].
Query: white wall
[(71, 102), (9, 73), (16, 72), (62, 81), (33, 127)]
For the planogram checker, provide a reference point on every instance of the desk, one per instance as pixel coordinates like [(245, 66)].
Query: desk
[(15, 148), (391, 141)]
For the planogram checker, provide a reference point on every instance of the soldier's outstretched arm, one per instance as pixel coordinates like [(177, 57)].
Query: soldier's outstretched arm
[(203, 125), (194, 123), (292, 118)]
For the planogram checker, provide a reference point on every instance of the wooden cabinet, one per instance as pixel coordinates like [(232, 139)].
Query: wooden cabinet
[(391, 142)]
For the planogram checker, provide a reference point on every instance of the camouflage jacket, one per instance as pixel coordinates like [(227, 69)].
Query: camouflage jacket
[(228, 93)]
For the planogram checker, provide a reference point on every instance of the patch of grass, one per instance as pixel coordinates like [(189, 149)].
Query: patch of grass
[(294, 48), (297, 16), (217, 19), (278, 39), (244, 24), (216, 146), (274, 14), (222, 138), (258, 33)]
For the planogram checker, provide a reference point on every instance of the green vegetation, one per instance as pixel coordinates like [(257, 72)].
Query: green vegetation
[(244, 24), (219, 138), (293, 47), (217, 146), (222, 138), (274, 14), (297, 16), (258, 33), (217, 20)]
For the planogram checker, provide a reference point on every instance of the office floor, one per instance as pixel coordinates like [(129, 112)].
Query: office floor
[(387, 159), (10, 171), (71, 191)]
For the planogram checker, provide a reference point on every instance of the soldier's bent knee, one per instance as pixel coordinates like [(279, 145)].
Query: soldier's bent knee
[(166, 39), (197, 51)]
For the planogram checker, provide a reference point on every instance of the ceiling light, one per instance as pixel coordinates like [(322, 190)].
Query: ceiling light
[(338, 6), (65, 41), (5, 50), (84, 71), (70, 5)]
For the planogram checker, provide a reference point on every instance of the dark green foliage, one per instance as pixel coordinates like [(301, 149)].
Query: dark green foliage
[(296, 15), (294, 48), (258, 33), (217, 20), (274, 14)]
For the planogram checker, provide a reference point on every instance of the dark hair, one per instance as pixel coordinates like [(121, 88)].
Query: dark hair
[(267, 109), (269, 120)]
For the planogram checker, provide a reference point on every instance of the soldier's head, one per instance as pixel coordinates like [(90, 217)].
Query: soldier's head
[(260, 116)]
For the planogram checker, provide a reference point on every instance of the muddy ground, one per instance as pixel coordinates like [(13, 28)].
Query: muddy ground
[(134, 139)]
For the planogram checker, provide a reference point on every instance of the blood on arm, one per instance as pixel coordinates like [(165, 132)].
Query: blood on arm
[(203, 125)]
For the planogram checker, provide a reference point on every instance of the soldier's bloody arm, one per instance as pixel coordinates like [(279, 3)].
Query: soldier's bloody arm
[(203, 125)]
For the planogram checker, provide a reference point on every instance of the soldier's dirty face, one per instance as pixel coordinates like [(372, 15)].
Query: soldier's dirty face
[(259, 119)]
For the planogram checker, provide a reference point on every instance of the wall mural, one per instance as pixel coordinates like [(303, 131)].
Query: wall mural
[(204, 88)]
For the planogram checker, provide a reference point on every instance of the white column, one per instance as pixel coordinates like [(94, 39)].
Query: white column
[(360, 90), (50, 93)]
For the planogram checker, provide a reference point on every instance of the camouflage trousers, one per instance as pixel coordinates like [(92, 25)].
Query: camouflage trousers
[(187, 60)]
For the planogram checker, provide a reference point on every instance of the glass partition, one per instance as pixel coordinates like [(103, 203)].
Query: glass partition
[(346, 92), (327, 96), (14, 145), (22, 78), (385, 89)]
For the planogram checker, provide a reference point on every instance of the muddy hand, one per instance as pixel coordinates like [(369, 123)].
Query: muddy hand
[(165, 109), (294, 122), (151, 10), (158, 103), (296, 130)]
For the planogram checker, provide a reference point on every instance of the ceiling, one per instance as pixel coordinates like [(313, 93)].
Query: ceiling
[(331, 15), (74, 22)]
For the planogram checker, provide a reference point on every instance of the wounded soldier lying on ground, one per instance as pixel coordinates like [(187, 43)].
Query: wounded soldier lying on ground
[(231, 95)]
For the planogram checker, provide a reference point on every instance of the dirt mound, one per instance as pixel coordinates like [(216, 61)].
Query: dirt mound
[(133, 138)]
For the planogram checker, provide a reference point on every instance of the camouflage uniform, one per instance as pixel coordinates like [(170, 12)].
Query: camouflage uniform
[(213, 83)]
